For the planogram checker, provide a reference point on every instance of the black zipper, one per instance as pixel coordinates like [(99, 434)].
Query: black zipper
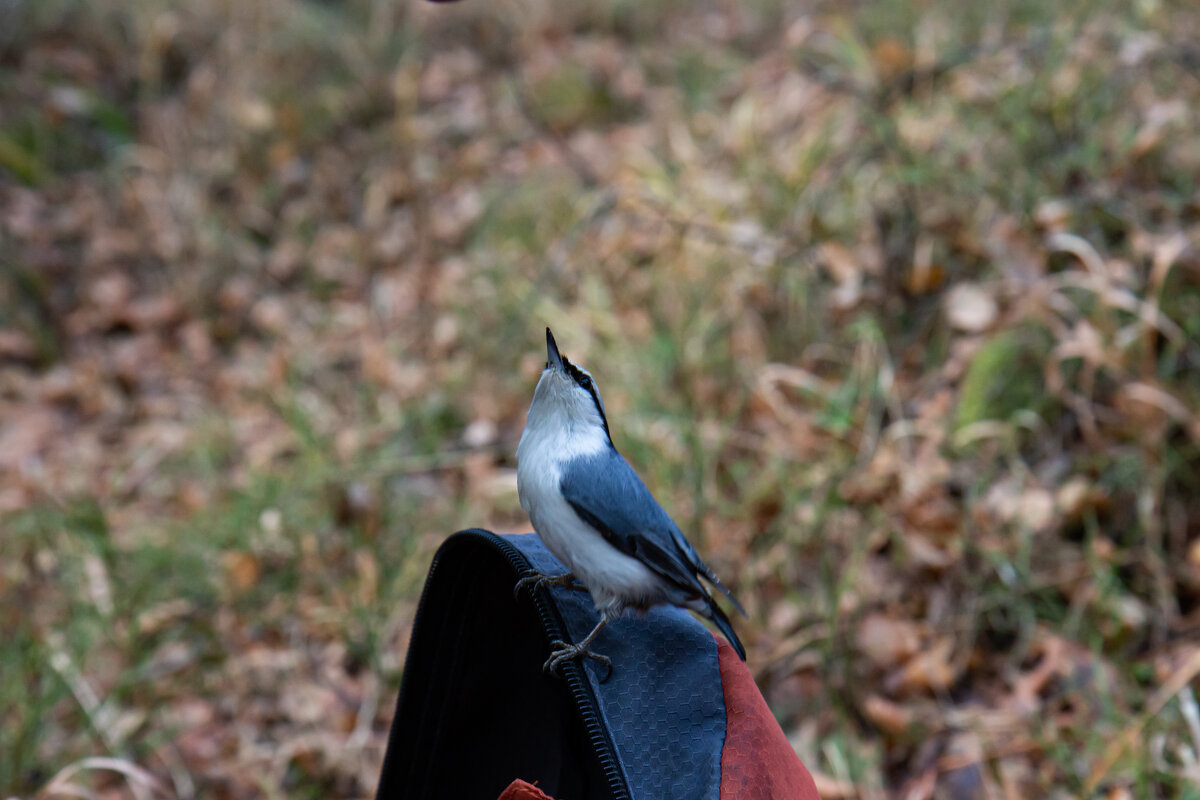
[(572, 671)]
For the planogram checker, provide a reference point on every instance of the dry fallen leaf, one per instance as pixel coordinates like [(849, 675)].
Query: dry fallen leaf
[(892, 56), (16, 345), (1035, 508), (241, 568), (891, 717), (1193, 553), (1053, 215), (926, 553), (932, 669), (846, 272), (886, 641), (970, 308), (1072, 497)]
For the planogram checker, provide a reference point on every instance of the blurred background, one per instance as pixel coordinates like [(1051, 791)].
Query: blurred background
[(894, 305)]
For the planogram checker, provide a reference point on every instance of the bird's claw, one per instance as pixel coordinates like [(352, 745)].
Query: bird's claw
[(535, 579), (563, 652)]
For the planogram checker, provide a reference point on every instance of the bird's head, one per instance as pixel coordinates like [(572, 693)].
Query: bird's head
[(566, 395)]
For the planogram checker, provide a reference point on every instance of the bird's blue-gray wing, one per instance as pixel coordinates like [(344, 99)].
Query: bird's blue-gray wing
[(608, 495)]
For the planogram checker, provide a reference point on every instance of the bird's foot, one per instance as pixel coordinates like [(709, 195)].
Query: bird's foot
[(563, 652), (534, 579)]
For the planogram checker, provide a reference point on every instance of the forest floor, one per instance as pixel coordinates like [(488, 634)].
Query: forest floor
[(894, 305)]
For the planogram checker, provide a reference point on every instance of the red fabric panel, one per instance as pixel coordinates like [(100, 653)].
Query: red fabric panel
[(757, 763), (520, 790)]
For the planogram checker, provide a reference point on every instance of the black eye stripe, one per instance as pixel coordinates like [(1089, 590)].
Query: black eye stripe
[(586, 382)]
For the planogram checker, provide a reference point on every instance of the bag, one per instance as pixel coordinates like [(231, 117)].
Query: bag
[(678, 717)]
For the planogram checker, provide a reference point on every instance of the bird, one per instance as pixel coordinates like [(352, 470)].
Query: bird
[(596, 516)]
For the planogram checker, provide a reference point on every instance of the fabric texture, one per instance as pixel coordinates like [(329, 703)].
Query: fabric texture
[(520, 790), (662, 703), (757, 762)]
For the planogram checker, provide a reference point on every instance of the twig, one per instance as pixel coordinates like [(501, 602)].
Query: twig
[(1174, 685), (721, 234), (573, 160), (1187, 704), (431, 462), (366, 715), (558, 252), (100, 717), (953, 761), (139, 779), (181, 777)]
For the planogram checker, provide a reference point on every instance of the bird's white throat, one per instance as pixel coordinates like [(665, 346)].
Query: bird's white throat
[(562, 424)]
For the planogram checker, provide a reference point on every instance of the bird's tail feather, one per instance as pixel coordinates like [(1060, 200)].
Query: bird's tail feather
[(722, 622), (712, 578)]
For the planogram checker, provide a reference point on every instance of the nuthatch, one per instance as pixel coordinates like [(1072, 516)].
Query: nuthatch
[(595, 515)]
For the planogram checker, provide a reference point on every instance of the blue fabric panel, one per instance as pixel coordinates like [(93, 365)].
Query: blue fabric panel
[(663, 704)]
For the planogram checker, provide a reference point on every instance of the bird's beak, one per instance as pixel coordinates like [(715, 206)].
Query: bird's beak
[(553, 359)]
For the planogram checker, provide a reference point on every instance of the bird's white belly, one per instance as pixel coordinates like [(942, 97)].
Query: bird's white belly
[(614, 579)]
